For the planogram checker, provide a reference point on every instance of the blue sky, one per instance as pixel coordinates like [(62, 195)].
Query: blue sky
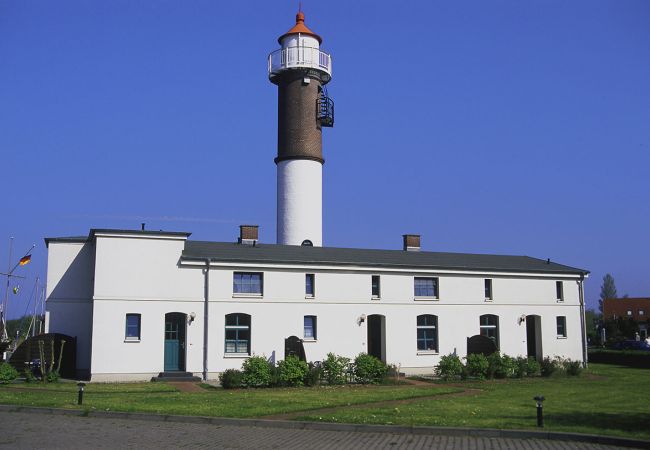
[(502, 127)]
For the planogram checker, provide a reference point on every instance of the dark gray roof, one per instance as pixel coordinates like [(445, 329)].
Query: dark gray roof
[(291, 254)]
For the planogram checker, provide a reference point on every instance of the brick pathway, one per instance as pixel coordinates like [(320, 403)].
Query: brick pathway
[(29, 430)]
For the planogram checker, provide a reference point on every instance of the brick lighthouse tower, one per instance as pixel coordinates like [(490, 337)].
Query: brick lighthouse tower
[(301, 71)]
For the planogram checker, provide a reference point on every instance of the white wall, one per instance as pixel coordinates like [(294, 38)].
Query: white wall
[(142, 275), (299, 202), (69, 294)]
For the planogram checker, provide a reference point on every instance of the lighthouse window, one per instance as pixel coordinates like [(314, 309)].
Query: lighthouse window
[(132, 327), (561, 326), (247, 283)]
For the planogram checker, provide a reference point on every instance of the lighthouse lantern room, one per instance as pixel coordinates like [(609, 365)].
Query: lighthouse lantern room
[(301, 70)]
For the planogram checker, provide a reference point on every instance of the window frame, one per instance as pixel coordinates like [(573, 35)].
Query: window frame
[(426, 327), (487, 287), (127, 337), (313, 327), (489, 326), (237, 328), (560, 327), (436, 288), (236, 285), (377, 295), (312, 277), (559, 291)]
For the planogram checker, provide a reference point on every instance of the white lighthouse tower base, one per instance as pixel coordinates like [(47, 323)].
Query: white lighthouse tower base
[(300, 202)]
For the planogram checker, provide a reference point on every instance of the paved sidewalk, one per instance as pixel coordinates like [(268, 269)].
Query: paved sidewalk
[(26, 430)]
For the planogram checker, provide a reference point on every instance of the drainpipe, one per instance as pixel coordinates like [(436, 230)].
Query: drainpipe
[(206, 290), (581, 294)]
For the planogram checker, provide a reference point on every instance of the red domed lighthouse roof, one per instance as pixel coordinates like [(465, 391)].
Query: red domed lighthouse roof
[(301, 28)]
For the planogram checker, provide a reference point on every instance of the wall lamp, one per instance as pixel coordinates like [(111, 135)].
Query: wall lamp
[(191, 317)]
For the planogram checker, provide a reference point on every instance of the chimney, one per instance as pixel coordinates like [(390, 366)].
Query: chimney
[(248, 234), (411, 242)]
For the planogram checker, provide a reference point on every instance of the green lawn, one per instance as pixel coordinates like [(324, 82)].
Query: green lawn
[(605, 400), (164, 399)]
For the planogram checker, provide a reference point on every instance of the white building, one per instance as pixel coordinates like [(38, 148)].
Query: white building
[(145, 302)]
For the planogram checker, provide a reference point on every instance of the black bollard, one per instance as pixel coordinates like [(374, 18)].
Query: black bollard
[(80, 398), (540, 414)]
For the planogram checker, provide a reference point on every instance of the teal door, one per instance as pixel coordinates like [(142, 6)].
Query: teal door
[(174, 342)]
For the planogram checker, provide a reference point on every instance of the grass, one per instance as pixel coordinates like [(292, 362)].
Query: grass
[(164, 399), (605, 399)]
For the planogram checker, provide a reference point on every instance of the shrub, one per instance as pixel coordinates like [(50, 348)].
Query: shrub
[(256, 372), (533, 367), (53, 377), (449, 368), (520, 367), (7, 373), (335, 368), (572, 368), (313, 375), (477, 365), (548, 366), (29, 376), (368, 369), (292, 371), (231, 379), (500, 366)]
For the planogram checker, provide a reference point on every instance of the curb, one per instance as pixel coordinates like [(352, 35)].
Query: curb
[(328, 426)]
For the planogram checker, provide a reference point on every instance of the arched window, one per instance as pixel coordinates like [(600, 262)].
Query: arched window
[(427, 327), (238, 333), (489, 325)]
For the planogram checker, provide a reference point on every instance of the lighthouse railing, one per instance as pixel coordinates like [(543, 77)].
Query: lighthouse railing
[(299, 56)]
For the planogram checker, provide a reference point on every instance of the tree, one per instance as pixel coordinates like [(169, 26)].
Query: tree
[(607, 290)]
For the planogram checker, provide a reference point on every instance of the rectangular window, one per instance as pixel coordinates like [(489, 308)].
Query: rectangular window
[(247, 283), (376, 289), (238, 333), (488, 289), (427, 328), (629, 312), (426, 287), (561, 326), (310, 328), (309, 285), (559, 291), (642, 312), (132, 327)]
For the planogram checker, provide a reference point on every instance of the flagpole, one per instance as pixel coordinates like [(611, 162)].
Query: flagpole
[(4, 336)]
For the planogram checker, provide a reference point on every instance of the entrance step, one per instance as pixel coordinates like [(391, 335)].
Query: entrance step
[(176, 377)]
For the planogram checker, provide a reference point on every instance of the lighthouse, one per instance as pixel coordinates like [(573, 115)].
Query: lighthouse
[(300, 69)]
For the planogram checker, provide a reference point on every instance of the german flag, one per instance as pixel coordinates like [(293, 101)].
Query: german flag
[(25, 260)]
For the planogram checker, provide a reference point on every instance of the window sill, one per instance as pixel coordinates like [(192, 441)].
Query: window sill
[(561, 337), (489, 300), (426, 299), (310, 296), (132, 340), (559, 300), (236, 355), (427, 352), (247, 295), (306, 340), (375, 297)]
